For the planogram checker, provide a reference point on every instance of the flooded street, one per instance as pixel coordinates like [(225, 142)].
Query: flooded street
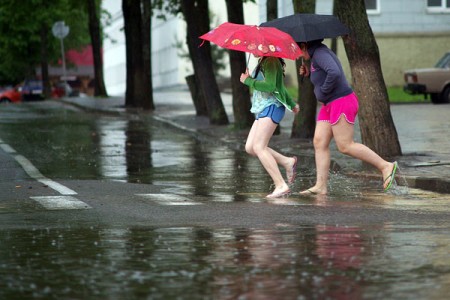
[(163, 215), (320, 262)]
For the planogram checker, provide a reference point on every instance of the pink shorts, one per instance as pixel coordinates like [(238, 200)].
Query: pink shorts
[(346, 106)]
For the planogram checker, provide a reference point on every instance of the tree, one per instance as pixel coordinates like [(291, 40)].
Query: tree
[(44, 60), (136, 15), (196, 14), (375, 120), (271, 9), (305, 121), (30, 30), (96, 42), (147, 52), (243, 118)]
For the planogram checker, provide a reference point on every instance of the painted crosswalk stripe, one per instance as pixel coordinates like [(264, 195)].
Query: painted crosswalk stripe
[(7, 148), (169, 199), (60, 202), (34, 173), (65, 201)]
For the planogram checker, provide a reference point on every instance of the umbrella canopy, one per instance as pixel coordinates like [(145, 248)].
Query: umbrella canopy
[(309, 27), (260, 41)]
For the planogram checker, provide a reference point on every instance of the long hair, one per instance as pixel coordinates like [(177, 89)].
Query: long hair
[(259, 66)]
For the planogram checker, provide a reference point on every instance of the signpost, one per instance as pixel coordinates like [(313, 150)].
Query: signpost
[(60, 31)]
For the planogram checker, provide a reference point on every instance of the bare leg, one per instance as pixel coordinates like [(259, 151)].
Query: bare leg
[(257, 144), (251, 139), (284, 161), (343, 135), (322, 139)]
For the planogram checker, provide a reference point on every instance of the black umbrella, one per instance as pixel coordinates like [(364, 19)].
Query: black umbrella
[(309, 27)]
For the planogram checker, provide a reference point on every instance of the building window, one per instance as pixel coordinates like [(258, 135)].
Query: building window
[(373, 6), (438, 6)]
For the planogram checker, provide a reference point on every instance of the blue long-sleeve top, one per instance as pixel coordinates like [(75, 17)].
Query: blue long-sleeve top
[(327, 74)]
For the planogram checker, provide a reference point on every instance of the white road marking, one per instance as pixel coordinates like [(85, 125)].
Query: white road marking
[(7, 148), (33, 172), (169, 199), (49, 202), (61, 202)]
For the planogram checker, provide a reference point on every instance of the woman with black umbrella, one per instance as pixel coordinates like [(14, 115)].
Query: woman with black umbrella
[(336, 117)]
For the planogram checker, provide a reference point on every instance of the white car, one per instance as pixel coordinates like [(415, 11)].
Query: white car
[(430, 81)]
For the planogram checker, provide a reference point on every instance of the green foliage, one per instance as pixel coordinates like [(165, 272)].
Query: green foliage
[(166, 7), (21, 23), (397, 95)]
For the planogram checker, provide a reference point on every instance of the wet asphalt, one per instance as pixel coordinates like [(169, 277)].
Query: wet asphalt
[(128, 207), (423, 130)]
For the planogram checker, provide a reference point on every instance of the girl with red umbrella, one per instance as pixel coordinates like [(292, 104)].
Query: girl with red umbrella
[(269, 102)]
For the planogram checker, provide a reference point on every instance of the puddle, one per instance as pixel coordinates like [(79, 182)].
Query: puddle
[(302, 262)]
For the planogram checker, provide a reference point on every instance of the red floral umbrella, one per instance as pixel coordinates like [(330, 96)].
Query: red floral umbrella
[(260, 41)]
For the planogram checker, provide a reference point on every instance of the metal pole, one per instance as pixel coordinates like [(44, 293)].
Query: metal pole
[(63, 66)]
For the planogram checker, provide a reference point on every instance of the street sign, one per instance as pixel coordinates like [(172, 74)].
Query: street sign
[(60, 30)]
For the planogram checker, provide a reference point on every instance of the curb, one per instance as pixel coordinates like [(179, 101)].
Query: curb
[(433, 184)]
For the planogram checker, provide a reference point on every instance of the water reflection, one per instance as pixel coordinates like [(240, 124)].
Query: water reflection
[(307, 262), (340, 250), (138, 152), (135, 151), (111, 144), (199, 169)]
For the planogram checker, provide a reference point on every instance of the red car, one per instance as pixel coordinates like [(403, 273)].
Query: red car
[(10, 95)]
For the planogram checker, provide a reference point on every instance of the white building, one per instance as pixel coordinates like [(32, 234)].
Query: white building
[(168, 67)]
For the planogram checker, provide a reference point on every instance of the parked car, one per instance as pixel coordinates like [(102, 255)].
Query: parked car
[(10, 94), (32, 90), (430, 81), (61, 89)]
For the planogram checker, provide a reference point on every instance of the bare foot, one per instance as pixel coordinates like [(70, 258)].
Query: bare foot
[(313, 191), (291, 170), (279, 192)]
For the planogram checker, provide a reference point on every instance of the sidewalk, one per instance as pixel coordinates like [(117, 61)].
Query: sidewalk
[(423, 130)]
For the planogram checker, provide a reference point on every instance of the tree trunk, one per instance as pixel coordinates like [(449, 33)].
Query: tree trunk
[(44, 62), (243, 118), (197, 96), (134, 93), (148, 103), (305, 121), (96, 42), (196, 14), (375, 120), (271, 9)]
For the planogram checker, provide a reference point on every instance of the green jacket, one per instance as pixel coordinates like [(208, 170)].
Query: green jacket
[(273, 81)]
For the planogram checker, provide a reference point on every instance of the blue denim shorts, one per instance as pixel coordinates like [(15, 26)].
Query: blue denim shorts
[(273, 112)]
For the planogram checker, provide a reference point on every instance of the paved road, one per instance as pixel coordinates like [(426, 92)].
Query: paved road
[(96, 206)]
